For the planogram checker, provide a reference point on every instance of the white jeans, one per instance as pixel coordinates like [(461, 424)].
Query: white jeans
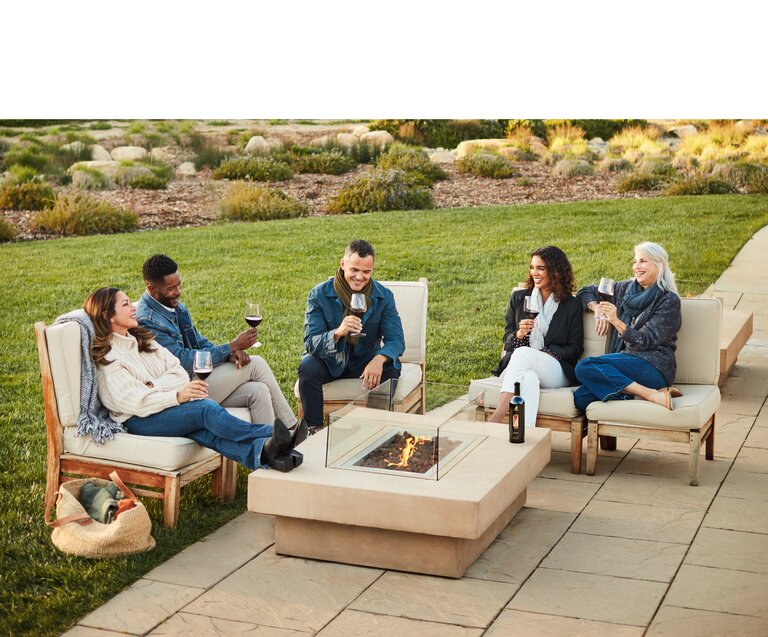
[(253, 386), (533, 369)]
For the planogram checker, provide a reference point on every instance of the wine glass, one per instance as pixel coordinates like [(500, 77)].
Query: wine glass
[(358, 306), (605, 292), (203, 365), (253, 317), (531, 307)]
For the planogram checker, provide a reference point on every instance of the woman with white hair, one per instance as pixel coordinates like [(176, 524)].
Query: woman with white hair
[(645, 317)]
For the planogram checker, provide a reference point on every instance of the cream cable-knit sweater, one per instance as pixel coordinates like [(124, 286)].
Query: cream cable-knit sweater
[(123, 384)]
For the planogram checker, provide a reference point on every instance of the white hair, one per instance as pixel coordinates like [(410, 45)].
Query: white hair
[(666, 278)]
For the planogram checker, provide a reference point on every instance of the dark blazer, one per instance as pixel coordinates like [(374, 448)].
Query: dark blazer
[(564, 338)]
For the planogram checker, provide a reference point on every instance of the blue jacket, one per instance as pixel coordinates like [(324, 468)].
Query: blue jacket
[(381, 324), (175, 332)]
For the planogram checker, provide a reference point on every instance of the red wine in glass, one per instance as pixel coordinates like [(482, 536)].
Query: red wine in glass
[(203, 364), (608, 298), (253, 317), (605, 293), (530, 307), (358, 307)]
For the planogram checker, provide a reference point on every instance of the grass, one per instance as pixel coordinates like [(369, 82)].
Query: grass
[(43, 592)]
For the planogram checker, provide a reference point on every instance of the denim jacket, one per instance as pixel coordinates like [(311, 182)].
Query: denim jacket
[(381, 324), (175, 332)]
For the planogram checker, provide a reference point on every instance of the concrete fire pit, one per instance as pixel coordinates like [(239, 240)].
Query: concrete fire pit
[(432, 526)]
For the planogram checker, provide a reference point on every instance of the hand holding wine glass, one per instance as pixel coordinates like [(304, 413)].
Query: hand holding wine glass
[(358, 307), (253, 317), (605, 293)]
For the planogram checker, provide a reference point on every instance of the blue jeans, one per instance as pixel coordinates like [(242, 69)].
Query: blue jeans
[(210, 425), (603, 377), (313, 374)]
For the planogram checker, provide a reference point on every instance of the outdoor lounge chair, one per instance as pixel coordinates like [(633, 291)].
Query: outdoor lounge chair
[(162, 464), (411, 302)]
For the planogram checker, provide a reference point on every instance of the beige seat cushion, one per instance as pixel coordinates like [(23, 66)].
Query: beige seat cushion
[(552, 402), (691, 411), (351, 388)]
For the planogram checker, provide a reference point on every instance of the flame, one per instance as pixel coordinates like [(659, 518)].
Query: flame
[(411, 442)]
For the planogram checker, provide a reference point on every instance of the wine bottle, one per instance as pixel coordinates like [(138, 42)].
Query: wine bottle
[(516, 416)]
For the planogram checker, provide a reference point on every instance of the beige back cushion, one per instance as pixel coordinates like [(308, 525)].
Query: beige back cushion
[(698, 342), (411, 302), (65, 357)]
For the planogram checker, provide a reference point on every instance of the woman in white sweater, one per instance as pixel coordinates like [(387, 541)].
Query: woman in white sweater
[(145, 387)]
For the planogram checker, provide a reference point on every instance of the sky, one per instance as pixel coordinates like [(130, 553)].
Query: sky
[(355, 60)]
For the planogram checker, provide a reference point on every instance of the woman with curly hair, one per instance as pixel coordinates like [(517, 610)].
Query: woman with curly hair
[(145, 388), (541, 352)]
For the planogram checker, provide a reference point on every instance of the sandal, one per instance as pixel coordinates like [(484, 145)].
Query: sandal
[(675, 392)]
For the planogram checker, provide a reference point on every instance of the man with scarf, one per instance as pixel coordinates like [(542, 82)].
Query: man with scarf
[(331, 349), (645, 318)]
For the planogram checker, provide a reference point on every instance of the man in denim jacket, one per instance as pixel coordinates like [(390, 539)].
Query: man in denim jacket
[(332, 350), (238, 380)]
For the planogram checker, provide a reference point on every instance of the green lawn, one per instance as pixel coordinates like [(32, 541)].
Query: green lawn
[(472, 258)]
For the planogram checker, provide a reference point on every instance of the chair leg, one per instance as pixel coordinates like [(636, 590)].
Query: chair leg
[(225, 480), (591, 447), (693, 460), (577, 428), (171, 501), (710, 449)]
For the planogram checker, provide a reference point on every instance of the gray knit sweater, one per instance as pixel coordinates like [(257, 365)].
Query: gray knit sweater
[(653, 336)]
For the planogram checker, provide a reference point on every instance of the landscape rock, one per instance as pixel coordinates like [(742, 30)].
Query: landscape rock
[(162, 153), (129, 153), (99, 153), (684, 131), (359, 131), (346, 139), (473, 145), (187, 169), (257, 145), (108, 168), (126, 175), (598, 146), (378, 138), (443, 157), (538, 146)]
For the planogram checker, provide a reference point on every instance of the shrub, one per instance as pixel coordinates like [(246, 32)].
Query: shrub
[(527, 127), (757, 181), (657, 167), (381, 189), (100, 126), (413, 161), (573, 168), (701, 185), (26, 195), (525, 182), (484, 164), (79, 214), (445, 133), (326, 162), (614, 165), (88, 178), (149, 175), (7, 231), (756, 147), (634, 182), (23, 173), (219, 122), (635, 142), (602, 128), (253, 169), (737, 173), (245, 202)]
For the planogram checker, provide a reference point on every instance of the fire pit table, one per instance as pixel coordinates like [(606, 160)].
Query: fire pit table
[(420, 493)]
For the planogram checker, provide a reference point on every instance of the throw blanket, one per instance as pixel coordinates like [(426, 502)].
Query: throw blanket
[(94, 418)]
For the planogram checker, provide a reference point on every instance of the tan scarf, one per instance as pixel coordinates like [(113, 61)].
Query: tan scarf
[(344, 292)]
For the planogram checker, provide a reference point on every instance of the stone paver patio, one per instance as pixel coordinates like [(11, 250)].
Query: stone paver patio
[(631, 551)]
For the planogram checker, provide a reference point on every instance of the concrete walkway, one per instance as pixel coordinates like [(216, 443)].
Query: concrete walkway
[(631, 551)]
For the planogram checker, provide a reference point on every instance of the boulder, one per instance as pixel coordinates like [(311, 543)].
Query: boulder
[(684, 131), (346, 139), (129, 153), (99, 153), (187, 169), (257, 145), (538, 146), (378, 138), (473, 145), (443, 157), (108, 168), (162, 153), (359, 131), (598, 146)]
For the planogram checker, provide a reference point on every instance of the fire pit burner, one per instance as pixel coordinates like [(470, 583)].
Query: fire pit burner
[(404, 451)]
